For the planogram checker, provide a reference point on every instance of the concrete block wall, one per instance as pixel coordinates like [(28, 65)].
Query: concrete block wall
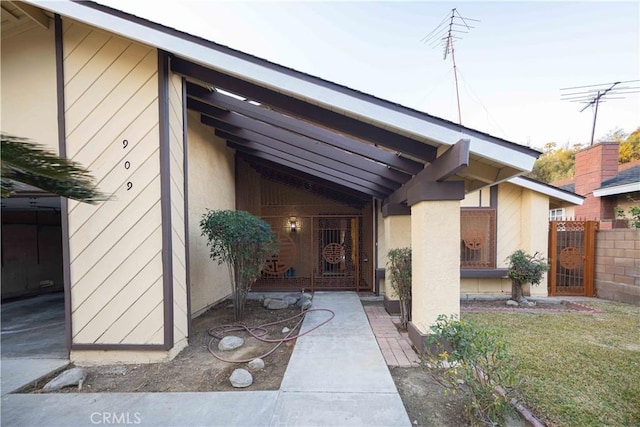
[(618, 265)]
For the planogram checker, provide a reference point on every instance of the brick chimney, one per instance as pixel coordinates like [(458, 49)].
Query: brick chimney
[(594, 165)]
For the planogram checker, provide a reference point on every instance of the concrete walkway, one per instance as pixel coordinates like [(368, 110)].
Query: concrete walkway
[(337, 376)]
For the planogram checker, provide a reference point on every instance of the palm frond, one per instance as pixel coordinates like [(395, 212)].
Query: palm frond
[(30, 163)]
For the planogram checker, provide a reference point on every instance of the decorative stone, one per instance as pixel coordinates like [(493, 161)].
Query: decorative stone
[(256, 364), (71, 377), (290, 300), (305, 301), (241, 378), (265, 302), (512, 303), (285, 330), (229, 343), (277, 304)]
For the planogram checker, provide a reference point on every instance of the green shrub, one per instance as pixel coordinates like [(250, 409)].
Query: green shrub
[(525, 268), (463, 355), (244, 242), (399, 268)]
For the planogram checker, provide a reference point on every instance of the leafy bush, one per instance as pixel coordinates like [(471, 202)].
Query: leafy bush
[(399, 268), (465, 356), (244, 242), (525, 268)]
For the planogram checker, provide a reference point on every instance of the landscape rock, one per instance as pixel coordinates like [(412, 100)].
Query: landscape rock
[(241, 378), (512, 303), (290, 300), (71, 377), (265, 302), (285, 330), (277, 304), (256, 364), (229, 343), (305, 301)]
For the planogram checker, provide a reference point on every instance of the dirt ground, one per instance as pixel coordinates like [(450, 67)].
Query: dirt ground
[(195, 369)]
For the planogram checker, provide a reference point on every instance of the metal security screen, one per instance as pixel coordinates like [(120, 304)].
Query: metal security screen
[(478, 238)]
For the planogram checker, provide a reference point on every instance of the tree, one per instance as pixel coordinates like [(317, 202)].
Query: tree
[(525, 268), (630, 148), (399, 268), (555, 163), (27, 162), (244, 242)]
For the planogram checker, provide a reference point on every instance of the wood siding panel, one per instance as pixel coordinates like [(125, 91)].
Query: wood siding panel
[(508, 221), (176, 165), (111, 94)]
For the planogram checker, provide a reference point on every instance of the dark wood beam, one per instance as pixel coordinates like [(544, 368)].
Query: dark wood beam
[(305, 167), (300, 153), (342, 193), (253, 147), (314, 113), (454, 160), (367, 168), (304, 128)]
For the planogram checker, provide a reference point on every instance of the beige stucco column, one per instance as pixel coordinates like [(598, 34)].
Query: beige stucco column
[(534, 225), (435, 243), (397, 234)]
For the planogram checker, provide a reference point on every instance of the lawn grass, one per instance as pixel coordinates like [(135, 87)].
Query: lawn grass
[(579, 369)]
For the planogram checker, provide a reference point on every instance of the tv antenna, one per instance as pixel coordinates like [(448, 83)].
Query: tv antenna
[(444, 35), (594, 95)]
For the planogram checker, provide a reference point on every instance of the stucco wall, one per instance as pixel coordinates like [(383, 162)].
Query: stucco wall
[(617, 275), (29, 99), (211, 186), (111, 95), (395, 233)]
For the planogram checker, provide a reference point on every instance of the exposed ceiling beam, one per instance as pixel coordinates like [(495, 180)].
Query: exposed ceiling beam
[(303, 109), (305, 128), (34, 13), (10, 15), (291, 141), (309, 163), (284, 174), (310, 169), (452, 161)]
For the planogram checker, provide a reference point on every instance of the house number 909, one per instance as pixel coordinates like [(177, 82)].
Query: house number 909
[(127, 164)]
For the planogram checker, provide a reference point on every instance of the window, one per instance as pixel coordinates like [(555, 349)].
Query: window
[(477, 238), (556, 214)]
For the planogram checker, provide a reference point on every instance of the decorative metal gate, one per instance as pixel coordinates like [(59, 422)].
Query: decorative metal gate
[(572, 257), (322, 252)]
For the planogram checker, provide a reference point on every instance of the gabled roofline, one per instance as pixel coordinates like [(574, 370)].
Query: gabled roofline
[(549, 190), (617, 189), (383, 113)]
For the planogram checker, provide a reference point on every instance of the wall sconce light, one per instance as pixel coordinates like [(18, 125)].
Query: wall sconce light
[(293, 224)]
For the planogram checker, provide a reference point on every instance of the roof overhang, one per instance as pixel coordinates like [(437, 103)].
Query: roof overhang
[(553, 192), (617, 189), (297, 120)]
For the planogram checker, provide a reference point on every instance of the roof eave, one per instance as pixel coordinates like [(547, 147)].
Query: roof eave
[(548, 190), (299, 85)]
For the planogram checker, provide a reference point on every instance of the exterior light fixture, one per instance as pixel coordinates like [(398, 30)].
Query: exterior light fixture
[(293, 224)]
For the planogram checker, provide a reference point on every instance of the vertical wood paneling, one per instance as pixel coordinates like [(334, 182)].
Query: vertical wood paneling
[(508, 221), (180, 312), (115, 246)]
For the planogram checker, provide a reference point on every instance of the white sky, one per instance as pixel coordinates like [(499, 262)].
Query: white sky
[(511, 66)]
